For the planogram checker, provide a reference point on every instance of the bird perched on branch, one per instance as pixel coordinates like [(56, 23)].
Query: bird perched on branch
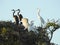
[(15, 17), (33, 28), (19, 15), (25, 23), (28, 27), (40, 18)]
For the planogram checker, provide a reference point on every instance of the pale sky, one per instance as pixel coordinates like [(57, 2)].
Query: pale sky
[(49, 9)]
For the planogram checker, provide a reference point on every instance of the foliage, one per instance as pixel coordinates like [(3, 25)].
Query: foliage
[(11, 34)]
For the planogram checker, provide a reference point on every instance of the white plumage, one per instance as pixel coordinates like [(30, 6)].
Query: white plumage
[(40, 18), (33, 28), (25, 22), (28, 26)]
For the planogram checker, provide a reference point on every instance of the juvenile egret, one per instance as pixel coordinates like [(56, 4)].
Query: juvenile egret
[(28, 26), (31, 27), (25, 22)]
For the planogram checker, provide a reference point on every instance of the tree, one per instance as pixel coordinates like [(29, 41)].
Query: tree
[(12, 34)]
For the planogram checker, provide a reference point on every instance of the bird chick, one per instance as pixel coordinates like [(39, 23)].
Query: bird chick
[(15, 17), (25, 23), (19, 15)]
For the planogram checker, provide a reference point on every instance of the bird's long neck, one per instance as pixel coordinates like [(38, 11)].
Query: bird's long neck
[(18, 13), (13, 13)]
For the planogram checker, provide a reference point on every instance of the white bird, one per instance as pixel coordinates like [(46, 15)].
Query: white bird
[(40, 18), (31, 27), (48, 20), (25, 22), (28, 26), (32, 23), (58, 22), (53, 21)]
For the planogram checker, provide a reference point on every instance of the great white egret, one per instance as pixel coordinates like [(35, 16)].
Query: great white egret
[(40, 18)]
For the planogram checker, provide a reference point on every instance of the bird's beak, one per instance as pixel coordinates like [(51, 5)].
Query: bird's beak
[(11, 10)]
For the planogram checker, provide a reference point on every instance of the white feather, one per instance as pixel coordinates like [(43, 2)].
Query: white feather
[(32, 28), (25, 22), (40, 18)]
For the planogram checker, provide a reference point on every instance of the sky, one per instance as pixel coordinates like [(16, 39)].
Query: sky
[(49, 9)]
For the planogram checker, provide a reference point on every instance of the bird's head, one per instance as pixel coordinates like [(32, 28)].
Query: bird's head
[(18, 10), (13, 10), (38, 10)]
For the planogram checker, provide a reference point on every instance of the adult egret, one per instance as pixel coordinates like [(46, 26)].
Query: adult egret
[(40, 18)]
